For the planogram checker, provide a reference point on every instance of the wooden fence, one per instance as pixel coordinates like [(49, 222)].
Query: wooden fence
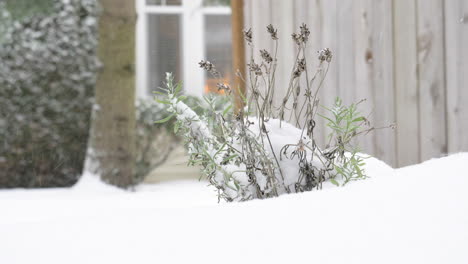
[(408, 58)]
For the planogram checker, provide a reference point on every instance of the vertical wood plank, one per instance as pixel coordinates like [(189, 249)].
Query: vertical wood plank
[(364, 64), (315, 21), (283, 20), (430, 53), (261, 18), (406, 82), (384, 100), (301, 12), (301, 15), (345, 52), (248, 10), (456, 43), (328, 92)]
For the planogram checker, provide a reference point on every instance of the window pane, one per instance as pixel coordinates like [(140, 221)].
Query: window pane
[(216, 2), (164, 49), (163, 2), (153, 2), (218, 41)]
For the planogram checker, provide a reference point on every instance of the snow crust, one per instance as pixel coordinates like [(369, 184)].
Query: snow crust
[(416, 214)]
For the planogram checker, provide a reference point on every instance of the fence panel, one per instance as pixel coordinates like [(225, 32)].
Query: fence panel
[(408, 58), (456, 63)]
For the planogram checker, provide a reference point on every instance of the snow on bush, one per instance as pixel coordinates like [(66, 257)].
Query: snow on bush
[(154, 143), (5, 20), (256, 152), (47, 76), (48, 72)]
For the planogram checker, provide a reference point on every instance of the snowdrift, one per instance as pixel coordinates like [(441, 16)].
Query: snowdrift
[(417, 214)]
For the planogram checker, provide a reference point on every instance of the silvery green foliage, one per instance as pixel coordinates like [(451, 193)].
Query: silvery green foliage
[(154, 142), (47, 77)]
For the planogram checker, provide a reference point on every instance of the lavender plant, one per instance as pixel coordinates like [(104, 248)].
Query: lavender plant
[(264, 150)]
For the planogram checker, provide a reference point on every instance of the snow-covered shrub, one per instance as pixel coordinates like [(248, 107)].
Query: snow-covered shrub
[(154, 142), (48, 67), (5, 20), (256, 152)]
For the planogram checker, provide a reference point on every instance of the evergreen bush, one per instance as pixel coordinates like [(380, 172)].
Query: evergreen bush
[(48, 68), (154, 142)]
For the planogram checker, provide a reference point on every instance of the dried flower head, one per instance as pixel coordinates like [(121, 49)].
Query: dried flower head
[(266, 56), (223, 87), (273, 32), (248, 35), (325, 55), (209, 67), (206, 65), (300, 68), (255, 68), (296, 73), (305, 32), (296, 38), (302, 37)]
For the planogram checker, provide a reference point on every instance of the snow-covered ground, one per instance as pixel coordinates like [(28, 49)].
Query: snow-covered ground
[(417, 214)]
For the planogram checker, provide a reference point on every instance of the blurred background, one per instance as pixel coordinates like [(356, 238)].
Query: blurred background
[(408, 59)]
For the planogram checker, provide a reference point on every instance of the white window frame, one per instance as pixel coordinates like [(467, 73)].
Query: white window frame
[(193, 42)]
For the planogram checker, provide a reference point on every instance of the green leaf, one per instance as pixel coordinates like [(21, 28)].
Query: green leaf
[(359, 171), (220, 149), (181, 98), (227, 110), (359, 119), (160, 93), (334, 182), (164, 120), (163, 101), (326, 118), (242, 95), (230, 158), (326, 108), (339, 170), (207, 100), (237, 185)]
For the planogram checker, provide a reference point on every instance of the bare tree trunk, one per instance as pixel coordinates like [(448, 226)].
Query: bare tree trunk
[(111, 148)]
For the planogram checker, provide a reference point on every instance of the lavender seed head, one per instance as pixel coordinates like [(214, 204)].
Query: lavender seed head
[(296, 38), (301, 66), (273, 32), (266, 56), (206, 65), (248, 35), (223, 87), (325, 55), (255, 68), (305, 32)]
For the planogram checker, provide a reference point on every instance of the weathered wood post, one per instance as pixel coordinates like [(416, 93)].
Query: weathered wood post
[(238, 50)]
